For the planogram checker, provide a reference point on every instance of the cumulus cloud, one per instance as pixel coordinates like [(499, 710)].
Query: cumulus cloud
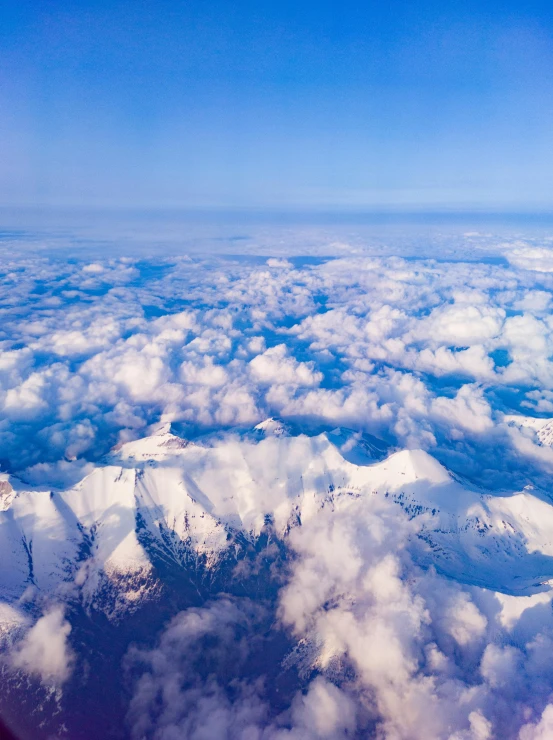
[(459, 324), (541, 730), (275, 367), (539, 259), (380, 647), (183, 692), (211, 343), (431, 657), (44, 651), (420, 352), (193, 685), (279, 263)]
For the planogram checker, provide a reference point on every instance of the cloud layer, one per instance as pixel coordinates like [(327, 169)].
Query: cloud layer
[(422, 352), (450, 356)]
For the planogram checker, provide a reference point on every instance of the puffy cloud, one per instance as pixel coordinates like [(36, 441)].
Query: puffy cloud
[(182, 693), (26, 400), (366, 341), (44, 651), (459, 324), (424, 353), (542, 730), (206, 374), (76, 341), (525, 334), (93, 267), (472, 362), (196, 365), (468, 410), (275, 367), (414, 639), (279, 263), (537, 301), (380, 646), (539, 259), (324, 711)]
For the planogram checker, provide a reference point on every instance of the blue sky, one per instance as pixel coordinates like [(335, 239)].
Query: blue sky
[(305, 104)]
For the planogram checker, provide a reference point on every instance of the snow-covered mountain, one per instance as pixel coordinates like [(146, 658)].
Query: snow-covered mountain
[(300, 530), (543, 428), (164, 499)]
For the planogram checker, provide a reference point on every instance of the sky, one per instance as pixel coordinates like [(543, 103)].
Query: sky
[(345, 105)]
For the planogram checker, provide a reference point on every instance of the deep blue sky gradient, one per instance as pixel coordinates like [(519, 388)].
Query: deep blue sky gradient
[(289, 104)]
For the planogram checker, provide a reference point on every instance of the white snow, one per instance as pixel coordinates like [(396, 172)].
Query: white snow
[(542, 427), (199, 493)]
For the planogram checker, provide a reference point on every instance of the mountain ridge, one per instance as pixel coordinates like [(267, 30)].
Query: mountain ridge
[(165, 497)]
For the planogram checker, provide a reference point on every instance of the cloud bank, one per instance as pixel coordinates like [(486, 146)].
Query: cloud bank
[(419, 351), (363, 639)]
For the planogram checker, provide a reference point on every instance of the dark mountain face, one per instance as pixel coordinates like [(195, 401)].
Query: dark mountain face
[(107, 654)]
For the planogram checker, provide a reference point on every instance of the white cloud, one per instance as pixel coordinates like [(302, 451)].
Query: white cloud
[(534, 300), (279, 263), (275, 366), (323, 712), (207, 374), (459, 325), (468, 410), (539, 259), (26, 400), (402, 348), (44, 651), (542, 730), (93, 268)]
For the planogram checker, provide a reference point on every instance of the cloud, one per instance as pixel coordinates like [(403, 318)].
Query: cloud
[(428, 654), (459, 324), (182, 692), (539, 259), (380, 648), (279, 263), (366, 341), (191, 685), (541, 730), (422, 352), (93, 267), (276, 367), (44, 651)]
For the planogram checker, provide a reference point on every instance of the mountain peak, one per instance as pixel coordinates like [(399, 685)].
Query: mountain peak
[(6, 493), (272, 427), (406, 466)]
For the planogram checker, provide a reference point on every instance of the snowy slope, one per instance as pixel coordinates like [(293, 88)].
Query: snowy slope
[(167, 498), (543, 428)]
